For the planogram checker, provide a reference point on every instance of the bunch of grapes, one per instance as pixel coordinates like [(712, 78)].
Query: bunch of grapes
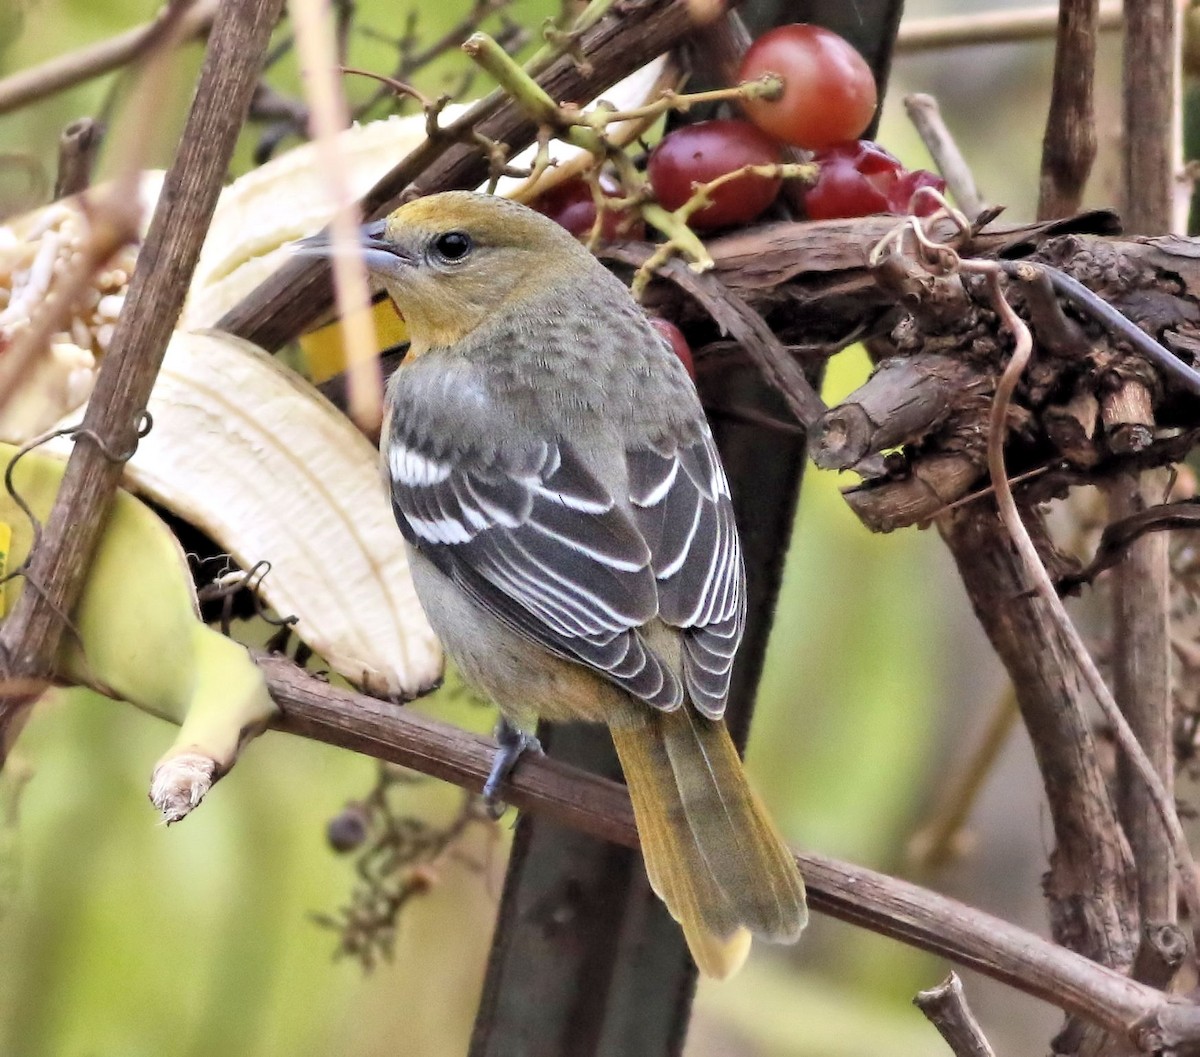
[(827, 101)]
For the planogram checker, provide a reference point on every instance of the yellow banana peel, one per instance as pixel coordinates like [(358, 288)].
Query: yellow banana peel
[(137, 636)]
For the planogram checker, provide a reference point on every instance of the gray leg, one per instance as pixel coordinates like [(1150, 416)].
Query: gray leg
[(511, 742)]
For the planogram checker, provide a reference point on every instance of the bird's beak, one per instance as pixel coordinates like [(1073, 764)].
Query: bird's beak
[(379, 255)]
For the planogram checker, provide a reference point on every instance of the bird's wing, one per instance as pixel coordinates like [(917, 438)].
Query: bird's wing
[(538, 541), (683, 510)]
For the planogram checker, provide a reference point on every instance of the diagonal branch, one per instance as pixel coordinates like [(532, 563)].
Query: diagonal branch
[(313, 709), (94, 60)]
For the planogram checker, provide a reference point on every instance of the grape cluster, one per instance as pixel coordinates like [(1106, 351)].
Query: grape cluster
[(827, 100)]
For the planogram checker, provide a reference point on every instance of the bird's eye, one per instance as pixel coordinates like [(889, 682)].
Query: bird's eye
[(452, 246)]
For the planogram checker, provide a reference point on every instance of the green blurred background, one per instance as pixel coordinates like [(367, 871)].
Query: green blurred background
[(120, 937)]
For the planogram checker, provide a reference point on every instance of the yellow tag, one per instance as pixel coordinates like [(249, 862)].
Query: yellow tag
[(5, 546)]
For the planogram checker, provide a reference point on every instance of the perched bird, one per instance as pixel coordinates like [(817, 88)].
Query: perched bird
[(572, 538)]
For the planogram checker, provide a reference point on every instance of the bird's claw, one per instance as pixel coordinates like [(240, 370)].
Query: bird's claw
[(511, 744)]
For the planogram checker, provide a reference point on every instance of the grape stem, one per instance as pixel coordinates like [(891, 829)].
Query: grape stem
[(769, 87), (586, 130), (567, 124)]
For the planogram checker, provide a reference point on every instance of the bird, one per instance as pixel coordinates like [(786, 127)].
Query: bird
[(572, 540)]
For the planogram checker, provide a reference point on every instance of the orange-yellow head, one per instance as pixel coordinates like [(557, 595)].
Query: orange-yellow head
[(454, 259)]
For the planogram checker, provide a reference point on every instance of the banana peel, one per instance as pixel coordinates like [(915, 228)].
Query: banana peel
[(251, 453), (136, 635)]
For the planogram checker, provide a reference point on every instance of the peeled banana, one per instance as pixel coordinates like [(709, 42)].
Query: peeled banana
[(136, 635)]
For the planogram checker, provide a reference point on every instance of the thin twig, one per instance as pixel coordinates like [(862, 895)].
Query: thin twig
[(925, 114), (938, 841), (992, 27), (946, 1008), (113, 216), (317, 52), (65, 71), (312, 708), (1118, 535)]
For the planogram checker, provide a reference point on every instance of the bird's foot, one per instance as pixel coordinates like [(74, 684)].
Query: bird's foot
[(511, 744)]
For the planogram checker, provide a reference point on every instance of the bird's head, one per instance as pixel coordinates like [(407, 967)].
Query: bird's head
[(450, 261)]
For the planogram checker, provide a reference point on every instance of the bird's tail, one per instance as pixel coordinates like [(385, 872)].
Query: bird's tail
[(712, 854)]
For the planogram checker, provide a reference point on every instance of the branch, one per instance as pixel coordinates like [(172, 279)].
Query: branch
[(31, 633), (1150, 120), (925, 114), (66, 71), (1118, 535), (1151, 786), (946, 1007), (992, 27), (313, 709), (1141, 673), (1069, 145)]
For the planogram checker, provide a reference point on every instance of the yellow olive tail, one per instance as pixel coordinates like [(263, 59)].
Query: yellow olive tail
[(712, 854)]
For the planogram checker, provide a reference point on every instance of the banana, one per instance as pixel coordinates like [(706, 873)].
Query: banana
[(248, 451), (136, 635)]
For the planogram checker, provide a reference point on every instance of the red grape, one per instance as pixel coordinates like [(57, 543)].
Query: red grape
[(701, 152), (909, 184), (570, 203), (828, 88), (860, 178), (679, 344), (854, 181)]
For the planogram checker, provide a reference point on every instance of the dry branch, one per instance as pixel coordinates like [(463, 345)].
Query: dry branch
[(312, 708), (925, 114), (1141, 665), (1090, 885), (1069, 145), (1141, 631), (946, 1007), (1150, 122)]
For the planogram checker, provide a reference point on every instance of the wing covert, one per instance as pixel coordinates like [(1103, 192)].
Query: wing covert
[(537, 541), (682, 506)]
